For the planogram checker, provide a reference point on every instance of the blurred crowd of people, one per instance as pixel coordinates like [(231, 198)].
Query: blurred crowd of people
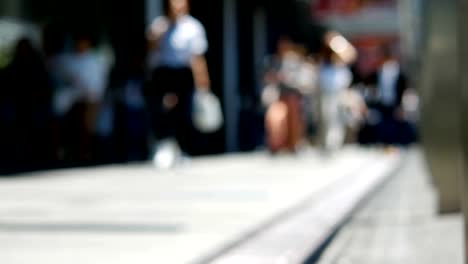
[(319, 99), (51, 101), (64, 104)]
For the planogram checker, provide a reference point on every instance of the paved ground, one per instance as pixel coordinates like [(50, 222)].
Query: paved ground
[(298, 236), (136, 214), (400, 225)]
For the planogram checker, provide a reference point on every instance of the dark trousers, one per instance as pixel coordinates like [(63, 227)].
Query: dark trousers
[(175, 122), (389, 131)]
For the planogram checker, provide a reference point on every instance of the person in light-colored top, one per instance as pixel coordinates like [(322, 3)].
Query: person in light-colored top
[(178, 68), (334, 79), (178, 42), (388, 77), (87, 80), (89, 76)]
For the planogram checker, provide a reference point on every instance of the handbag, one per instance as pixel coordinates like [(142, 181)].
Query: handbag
[(207, 114)]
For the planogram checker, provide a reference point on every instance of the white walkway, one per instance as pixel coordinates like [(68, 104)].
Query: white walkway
[(136, 214), (400, 225)]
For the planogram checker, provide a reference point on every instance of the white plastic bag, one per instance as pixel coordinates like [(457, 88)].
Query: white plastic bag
[(207, 115)]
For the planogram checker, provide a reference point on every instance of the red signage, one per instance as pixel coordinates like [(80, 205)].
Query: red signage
[(346, 7), (369, 50)]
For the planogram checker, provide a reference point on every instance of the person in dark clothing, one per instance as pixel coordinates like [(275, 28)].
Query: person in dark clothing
[(131, 119), (390, 85), (26, 109), (8, 155)]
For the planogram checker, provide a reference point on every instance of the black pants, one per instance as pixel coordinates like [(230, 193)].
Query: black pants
[(389, 131), (175, 122)]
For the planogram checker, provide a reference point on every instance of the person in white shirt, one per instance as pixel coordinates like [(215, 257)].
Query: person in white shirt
[(334, 79), (177, 64), (87, 78)]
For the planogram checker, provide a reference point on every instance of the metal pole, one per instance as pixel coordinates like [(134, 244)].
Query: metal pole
[(463, 42), (441, 113), (231, 74), (153, 9)]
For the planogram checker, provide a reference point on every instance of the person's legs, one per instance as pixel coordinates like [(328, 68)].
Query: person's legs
[(135, 136), (276, 126), (88, 121), (388, 128), (184, 132), (158, 114), (191, 141), (295, 120), (170, 103), (333, 127)]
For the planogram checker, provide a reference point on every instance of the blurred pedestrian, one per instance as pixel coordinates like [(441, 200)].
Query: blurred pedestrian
[(334, 80), (390, 83), (55, 56), (177, 63), (282, 95), (86, 74), (26, 112), (131, 131)]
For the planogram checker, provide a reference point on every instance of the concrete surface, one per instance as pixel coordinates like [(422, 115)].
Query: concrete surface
[(400, 224), (137, 214)]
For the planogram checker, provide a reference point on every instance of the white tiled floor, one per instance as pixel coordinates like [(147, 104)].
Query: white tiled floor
[(136, 214), (400, 225)]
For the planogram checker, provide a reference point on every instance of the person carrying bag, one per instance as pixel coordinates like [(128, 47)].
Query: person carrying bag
[(179, 90)]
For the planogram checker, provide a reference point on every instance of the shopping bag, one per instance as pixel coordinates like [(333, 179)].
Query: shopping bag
[(207, 114)]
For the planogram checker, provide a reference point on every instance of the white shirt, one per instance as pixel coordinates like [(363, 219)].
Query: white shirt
[(290, 70), (388, 78), (78, 77), (334, 78), (179, 43), (88, 75)]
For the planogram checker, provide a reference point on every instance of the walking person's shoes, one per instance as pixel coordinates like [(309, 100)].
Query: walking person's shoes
[(167, 154)]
